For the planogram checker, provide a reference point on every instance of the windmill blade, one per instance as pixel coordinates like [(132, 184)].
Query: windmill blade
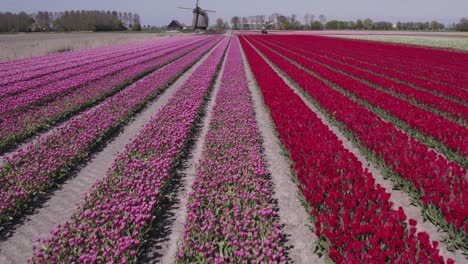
[(209, 11), (185, 8)]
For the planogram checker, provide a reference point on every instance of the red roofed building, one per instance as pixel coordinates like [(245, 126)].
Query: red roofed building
[(176, 25)]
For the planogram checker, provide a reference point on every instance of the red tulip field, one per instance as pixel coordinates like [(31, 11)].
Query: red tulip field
[(246, 148)]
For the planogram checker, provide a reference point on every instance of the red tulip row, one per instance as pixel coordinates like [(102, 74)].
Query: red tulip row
[(384, 57), (402, 75), (230, 215), (38, 167), (432, 179), (32, 78), (50, 91), (454, 109), (451, 134), (450, 62), (18, 126), (353, 216), (112, 221)]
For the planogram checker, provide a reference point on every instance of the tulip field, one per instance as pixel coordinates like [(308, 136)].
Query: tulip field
[(245, 148)]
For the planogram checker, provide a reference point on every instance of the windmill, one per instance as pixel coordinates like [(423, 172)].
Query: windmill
[(200, 17)]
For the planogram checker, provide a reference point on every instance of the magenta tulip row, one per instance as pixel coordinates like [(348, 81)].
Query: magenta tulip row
[(111, 223), (36, 168), (53, 60), (17, 126), (51, 71), (47, 92), (231, 218), (15, 89)]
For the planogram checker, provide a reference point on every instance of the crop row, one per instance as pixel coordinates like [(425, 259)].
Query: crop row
[(40, 165), (386, 59), (47, 92), (53, 60), (230, 218), (15, 90), (50, 73), (402, 75), (453, 109), (437, 59), (353, 216), (111, 223), (17, 126), (449, 133), (438, 185)]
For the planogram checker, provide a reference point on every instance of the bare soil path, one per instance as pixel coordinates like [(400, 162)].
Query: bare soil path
[(398, 198), (16, 239), (299, 237)]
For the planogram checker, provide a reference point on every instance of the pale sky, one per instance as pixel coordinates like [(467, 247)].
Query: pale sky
[(161, 12)]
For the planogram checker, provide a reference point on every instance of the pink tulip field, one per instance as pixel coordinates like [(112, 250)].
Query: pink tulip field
[(236, 148)]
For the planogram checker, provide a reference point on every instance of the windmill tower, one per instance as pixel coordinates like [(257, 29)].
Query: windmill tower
[(200, 17)]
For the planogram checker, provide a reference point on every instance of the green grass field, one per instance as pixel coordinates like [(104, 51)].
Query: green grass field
[(458, 43)]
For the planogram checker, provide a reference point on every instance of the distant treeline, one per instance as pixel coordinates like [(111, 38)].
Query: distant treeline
[(311, 22), (79, 20)]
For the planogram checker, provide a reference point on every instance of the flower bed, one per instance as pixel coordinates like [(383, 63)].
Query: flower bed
[(230, 218), (438, 185), (40, 165), (111, 223), (353, 216)]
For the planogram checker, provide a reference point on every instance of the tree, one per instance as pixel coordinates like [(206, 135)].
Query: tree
[(359, 24), (382, 25), (462, 25), (235, 21), (367, 23), (283, 22), (220, 26), (332, 24), (322, 20), (245, 23), (316, 25), (435, 25), (308, 19)]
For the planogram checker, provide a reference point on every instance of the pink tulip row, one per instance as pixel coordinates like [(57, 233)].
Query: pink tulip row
[(353, 216), (17, 126), (231, 218), (24, 74), (15, 89), (36, 168), (48, 92), (425, 175), (449, 133), (52, 60), (111, 223), (452, 108)]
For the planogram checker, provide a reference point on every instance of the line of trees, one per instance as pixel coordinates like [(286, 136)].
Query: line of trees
[(311, 22), (74, 20)]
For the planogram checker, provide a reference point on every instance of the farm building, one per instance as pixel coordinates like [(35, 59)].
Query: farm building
[(176, 25)]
